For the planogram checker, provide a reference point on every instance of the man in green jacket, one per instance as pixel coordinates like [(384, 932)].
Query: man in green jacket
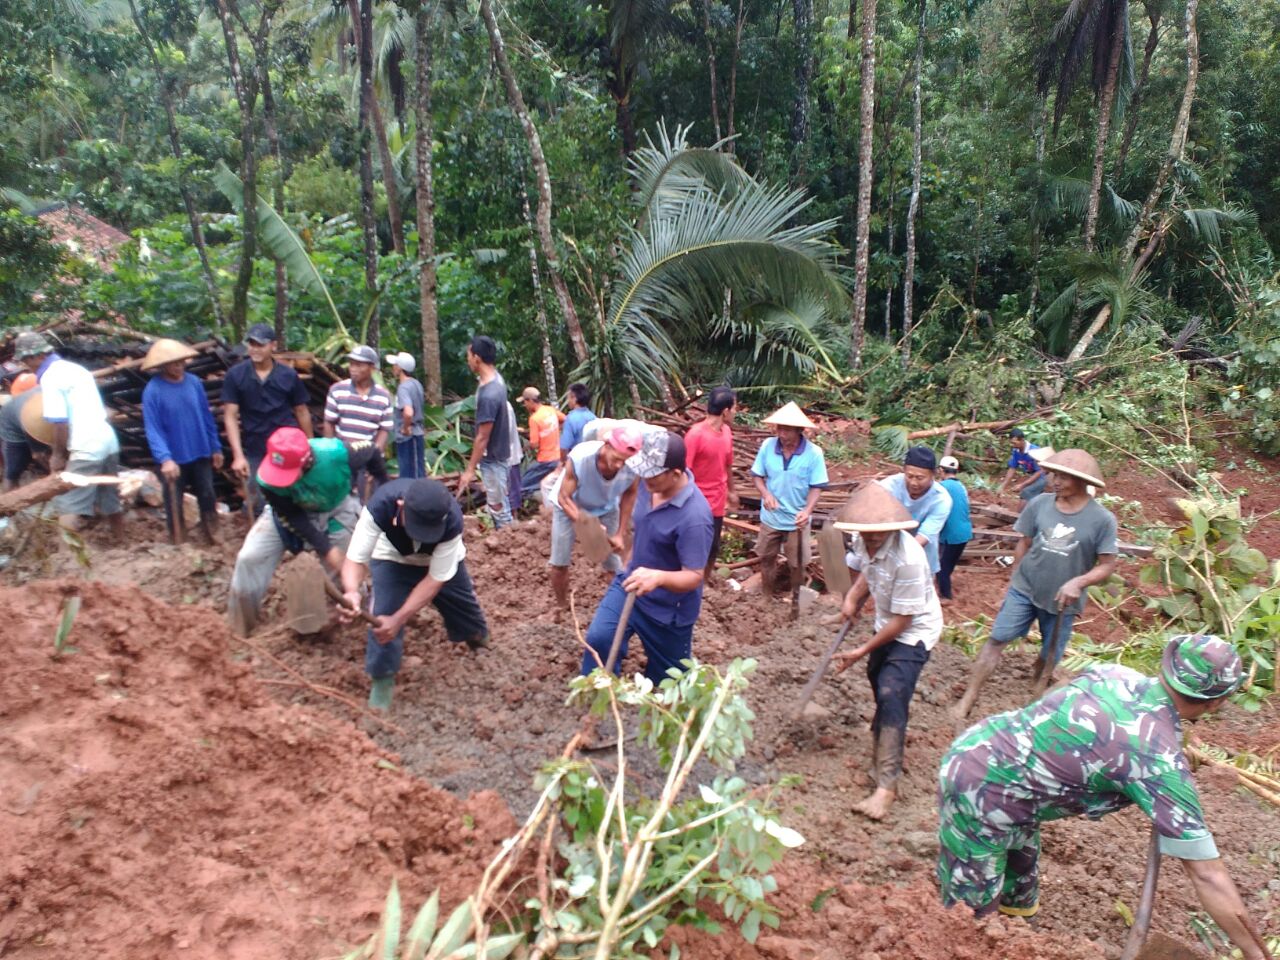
[(307, 486)]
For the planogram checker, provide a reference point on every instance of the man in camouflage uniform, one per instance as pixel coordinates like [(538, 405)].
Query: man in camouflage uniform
[(1110, 738)]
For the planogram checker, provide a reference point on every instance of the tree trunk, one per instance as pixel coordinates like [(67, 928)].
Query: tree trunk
[(246, 94), (1154, 12), (890, 231), (389, 183), (731, 146), (913, 208), (165, 88), (424, 22), (1037, 227), (535, 277), (542, 178), (364, 46), (1177, 147), (866, 122), (711, 67), (803, 13), (277, 187), (1104, 126)]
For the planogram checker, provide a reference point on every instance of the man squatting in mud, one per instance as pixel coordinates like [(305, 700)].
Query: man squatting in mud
[(893, 570), (1110, 738)]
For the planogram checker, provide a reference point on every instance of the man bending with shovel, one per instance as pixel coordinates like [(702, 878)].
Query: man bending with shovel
[(1068, 544), (908, 622), (1110, 738)]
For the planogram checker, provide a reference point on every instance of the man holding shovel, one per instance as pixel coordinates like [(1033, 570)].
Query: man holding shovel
[(1068, 544), (790, 472), (409, 537), (908, 622), (1110, 738), (594, 494), (672, 541)]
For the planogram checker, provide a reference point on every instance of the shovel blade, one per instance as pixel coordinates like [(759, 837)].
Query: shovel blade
[(1161, 946)]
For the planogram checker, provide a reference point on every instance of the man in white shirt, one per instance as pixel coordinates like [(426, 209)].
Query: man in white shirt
[(409, 537), (894, 572), (83, 440)]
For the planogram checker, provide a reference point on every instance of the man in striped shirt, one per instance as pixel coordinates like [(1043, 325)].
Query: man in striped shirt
[(357, 409)]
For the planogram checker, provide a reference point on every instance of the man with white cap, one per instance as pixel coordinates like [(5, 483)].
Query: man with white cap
[(595, 481), (410, 397), (181, 432), (1109, 739), (1068, 544), (672, 540), (908, 623), (957, 531), (82, 439), (409, 537), (790, 472)]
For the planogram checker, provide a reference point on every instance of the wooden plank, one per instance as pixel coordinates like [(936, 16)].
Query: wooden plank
[(831, 551), (994, 511), (741, 525)]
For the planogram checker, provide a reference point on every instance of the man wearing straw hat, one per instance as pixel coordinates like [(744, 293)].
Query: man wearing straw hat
[(181, 433), (71, 414), (1068, 544), (790, 472), (908, 622), (1110, 738)]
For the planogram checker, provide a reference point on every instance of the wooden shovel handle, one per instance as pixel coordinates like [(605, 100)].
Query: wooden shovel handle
[(335, 594)]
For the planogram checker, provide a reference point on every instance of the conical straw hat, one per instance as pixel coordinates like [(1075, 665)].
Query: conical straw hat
[(790, 416), (873, 509), (166, 351), (1076, 463), (33, 421)]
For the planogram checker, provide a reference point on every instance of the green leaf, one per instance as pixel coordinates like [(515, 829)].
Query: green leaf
[(280, 241), (389, 936), (423, 929), (821, 899), (453, 933), (70, 608)]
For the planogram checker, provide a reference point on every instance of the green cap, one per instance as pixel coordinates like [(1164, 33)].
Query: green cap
[(1201, 666)]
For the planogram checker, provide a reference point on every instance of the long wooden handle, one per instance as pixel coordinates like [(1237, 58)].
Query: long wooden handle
[(807, 693), (335, 594), (176, 526), (1142, 919), (620, 632)]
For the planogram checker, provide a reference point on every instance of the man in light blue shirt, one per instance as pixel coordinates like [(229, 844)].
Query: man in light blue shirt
[(790, 472), (928, 502)]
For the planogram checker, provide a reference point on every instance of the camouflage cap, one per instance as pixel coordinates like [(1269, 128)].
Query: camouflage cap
[(31, 344), (1201, 666)]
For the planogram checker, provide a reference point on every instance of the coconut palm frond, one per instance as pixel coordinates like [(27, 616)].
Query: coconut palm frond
[(1086, 29), (773, 341), (671, 167), (1055, 319), (1206, 224), (636, 27), (1070, 194)]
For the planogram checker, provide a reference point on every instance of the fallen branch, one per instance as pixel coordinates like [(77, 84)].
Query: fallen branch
[(992, 425), (38, 491)]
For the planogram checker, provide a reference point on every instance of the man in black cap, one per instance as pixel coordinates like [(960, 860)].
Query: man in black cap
[(260, 395), (409, 537), (928, 503)]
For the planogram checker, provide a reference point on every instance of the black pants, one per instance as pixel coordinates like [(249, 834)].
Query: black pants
[(893, 671), (196, 476), (17, 457), (717, 527), (948, 556)]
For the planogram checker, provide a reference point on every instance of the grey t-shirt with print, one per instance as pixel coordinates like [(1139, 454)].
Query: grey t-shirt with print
[(491, 407), (1063, 545)]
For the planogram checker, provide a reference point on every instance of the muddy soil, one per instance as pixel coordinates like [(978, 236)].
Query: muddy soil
[(477, 722)]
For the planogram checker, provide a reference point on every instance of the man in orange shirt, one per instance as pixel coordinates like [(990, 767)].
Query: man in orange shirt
[(544, 438), (709, 450)]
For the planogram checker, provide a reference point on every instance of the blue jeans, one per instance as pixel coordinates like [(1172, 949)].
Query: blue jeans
[(496, 478), (531, 478), (1014, 622), (392, 583), (665, 644), (410, 455)]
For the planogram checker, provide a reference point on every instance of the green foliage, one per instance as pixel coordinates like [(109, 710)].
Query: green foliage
[(28, 262), (70, 608), (1254, 397), (423, 942)]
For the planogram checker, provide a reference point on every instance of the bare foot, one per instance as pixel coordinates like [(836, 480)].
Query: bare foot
[(876, 806)]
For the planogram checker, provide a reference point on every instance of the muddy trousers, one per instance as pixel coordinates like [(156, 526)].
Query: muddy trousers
[(893, 671), (263, 549), (392, 583), (196, 476), (980, 864)]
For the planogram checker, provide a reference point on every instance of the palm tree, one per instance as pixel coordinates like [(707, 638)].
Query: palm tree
[(1097, 29), (704, 226), (635, 28)]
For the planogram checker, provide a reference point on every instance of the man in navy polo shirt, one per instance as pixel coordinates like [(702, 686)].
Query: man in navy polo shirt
[(672, 540), (1023, 461), (410, 537), (259, 396)]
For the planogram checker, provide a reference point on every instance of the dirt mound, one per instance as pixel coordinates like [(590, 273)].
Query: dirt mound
[(153, 799)]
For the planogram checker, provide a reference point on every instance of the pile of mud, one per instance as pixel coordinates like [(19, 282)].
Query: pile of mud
[(155, 802)]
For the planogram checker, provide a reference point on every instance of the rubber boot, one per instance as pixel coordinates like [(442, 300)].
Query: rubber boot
[(380, 692), (209, 527)]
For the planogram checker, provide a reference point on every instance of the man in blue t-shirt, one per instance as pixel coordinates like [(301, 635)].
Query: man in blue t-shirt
[(790, 472), (672, 541), (579, 416), (1022, 461), (182, 435)]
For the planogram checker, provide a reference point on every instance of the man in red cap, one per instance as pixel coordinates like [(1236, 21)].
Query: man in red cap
[(307, 486)]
